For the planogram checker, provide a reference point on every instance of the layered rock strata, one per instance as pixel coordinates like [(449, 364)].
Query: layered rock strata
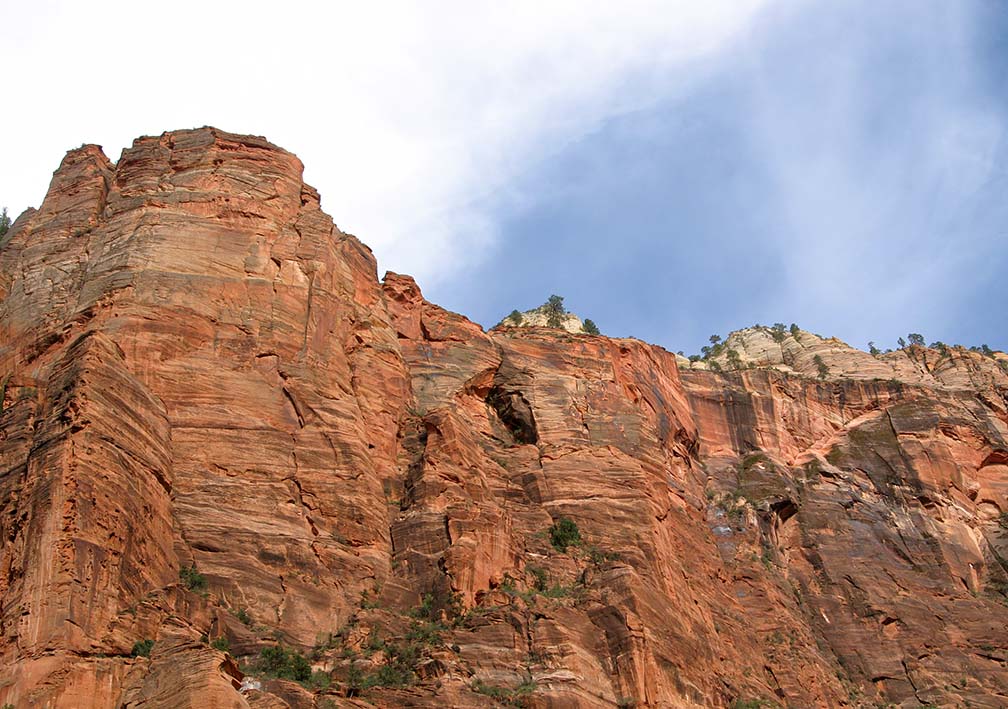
[(223, 434)]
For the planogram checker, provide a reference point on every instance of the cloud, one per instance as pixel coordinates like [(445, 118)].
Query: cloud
[(837, 165), (406, 115), (881, 138)]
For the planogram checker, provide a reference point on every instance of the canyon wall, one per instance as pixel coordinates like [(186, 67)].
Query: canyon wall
[(220, 432)]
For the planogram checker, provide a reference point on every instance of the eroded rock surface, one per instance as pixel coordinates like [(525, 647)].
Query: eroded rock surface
[(223, 434)]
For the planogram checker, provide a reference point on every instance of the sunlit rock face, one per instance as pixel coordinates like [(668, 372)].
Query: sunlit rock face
[(222, 433)]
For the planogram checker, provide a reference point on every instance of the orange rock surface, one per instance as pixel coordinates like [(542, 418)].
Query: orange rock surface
[(223, 434)]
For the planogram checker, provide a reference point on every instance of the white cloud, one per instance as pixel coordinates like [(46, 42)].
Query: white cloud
[(878, 148), (405, 114)]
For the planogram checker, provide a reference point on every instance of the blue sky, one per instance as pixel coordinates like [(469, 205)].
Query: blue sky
[(673, 169), (845, 170)]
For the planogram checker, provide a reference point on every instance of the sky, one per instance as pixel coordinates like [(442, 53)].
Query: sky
[(673, 169)]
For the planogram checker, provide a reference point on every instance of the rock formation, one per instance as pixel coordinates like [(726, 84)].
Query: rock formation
[(238, 470), (540, 317)]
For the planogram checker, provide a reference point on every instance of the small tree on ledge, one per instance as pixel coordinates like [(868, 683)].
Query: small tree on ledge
[(590, 327), (554, 311), (821, 366)]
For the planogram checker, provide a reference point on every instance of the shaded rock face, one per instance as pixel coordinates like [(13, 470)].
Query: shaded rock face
[(200, 370)]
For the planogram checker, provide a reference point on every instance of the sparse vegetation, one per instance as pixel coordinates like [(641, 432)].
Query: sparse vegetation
[(5, 222), (554, 311), (734, 360), (820, 367), (916, 339), (756, 458), (193, 579), (778, 332), (749, 703), (873, 350), (540, 577), (142, 648), (221, 644), (242, 615), (564, 533), (283, 663), (511, 697), (795, 331), (590, 327), (438, 607), (515, 317), (599, 556)]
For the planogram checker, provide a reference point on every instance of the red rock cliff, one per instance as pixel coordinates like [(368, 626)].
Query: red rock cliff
[(221, 433)]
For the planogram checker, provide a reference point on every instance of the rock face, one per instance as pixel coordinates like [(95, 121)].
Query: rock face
[(538, 317), (221, 433)]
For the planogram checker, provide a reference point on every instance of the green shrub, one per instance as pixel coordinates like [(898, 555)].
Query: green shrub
[(564, 533), (398, 671), (515, 317), (590, 327), (778, 332), (504, 695), (541, 578), (795, 331), (599, 556), (242, 615), (754, 459), (748, 704), (554, 311), (142, 648), (439, 606), (283, 663), (5, 222), (221, 644), (821, 367), (734, 359), (193, 579), (319, 680)]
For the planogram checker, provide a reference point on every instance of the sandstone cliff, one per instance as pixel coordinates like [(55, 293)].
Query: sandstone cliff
[(220, 432)]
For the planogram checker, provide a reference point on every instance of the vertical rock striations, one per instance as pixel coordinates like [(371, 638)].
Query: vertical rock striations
[(222, 434)]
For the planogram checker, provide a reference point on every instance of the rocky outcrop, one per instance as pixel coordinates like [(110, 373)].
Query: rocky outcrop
[(223, 434), (539, 317), (807, 354)]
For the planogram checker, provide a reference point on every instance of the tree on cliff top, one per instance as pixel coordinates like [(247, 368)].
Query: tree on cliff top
[(554, 311), (590, 327), (5, 222)]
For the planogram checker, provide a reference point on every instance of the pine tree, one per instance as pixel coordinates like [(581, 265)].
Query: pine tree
[(554, 311)]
